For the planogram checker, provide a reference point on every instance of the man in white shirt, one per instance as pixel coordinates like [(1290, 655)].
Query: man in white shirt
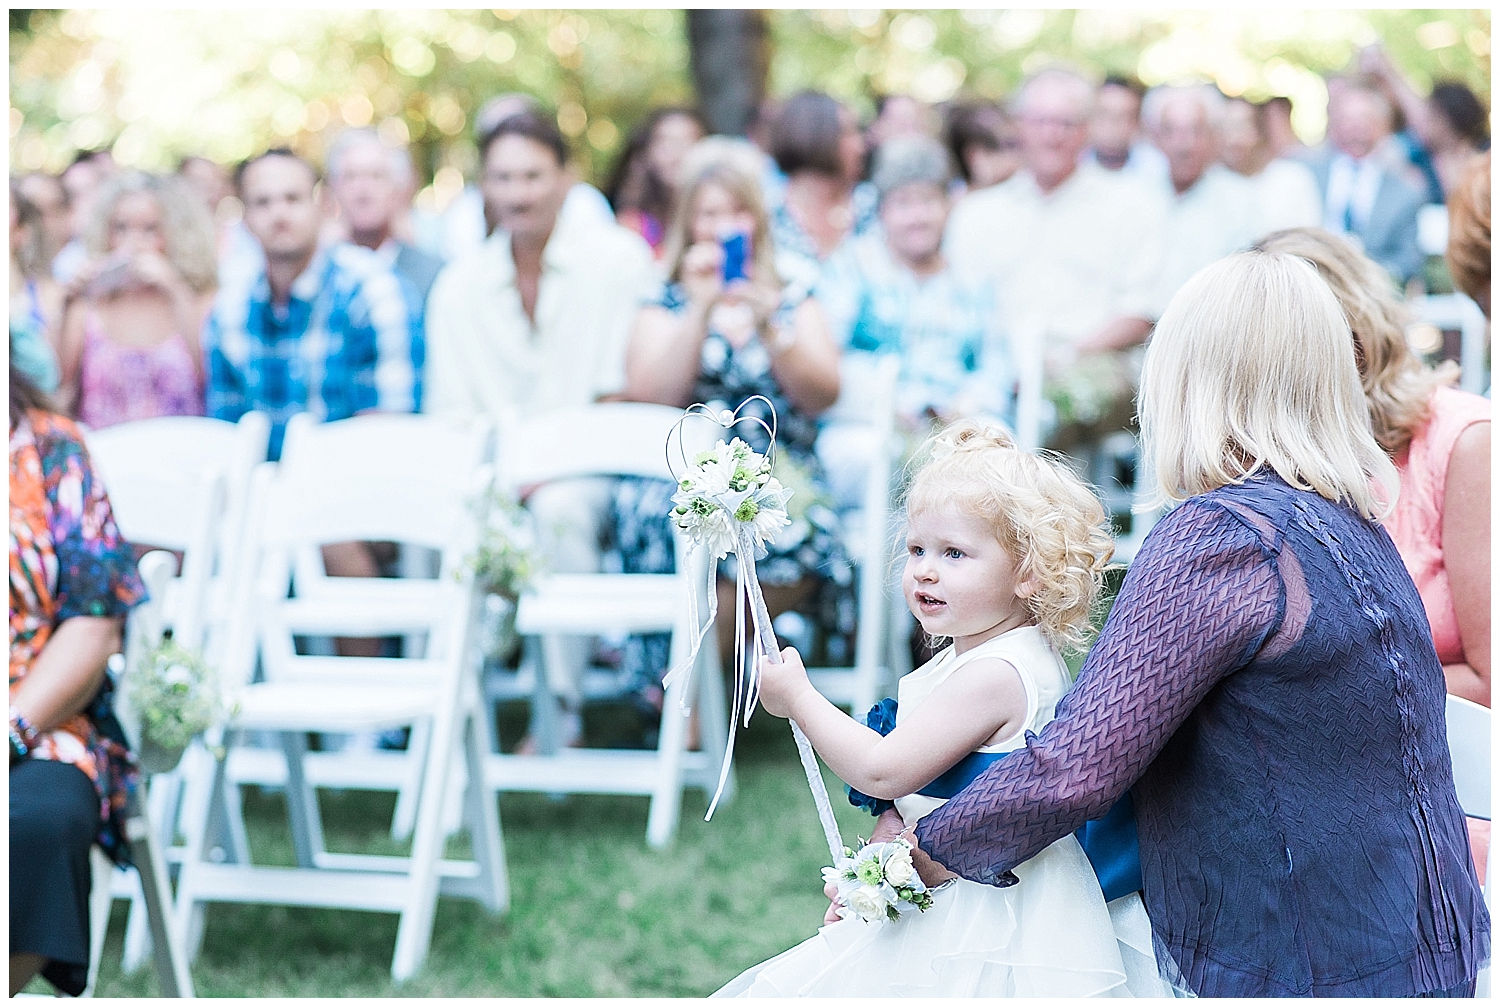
[(1212, 212), (536, 320), (1115, 140), (1362, 197), (1073, 249)]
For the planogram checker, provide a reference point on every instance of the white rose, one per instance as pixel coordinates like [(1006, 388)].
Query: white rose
[(898, 868), (868, 902)]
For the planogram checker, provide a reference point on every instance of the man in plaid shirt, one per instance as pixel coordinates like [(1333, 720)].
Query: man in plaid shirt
[(329, 331)]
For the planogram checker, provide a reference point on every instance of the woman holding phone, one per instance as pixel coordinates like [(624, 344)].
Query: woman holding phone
[(735, 320), (129, 344)]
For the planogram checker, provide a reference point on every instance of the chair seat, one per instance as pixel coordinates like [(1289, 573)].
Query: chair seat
[(330, 707), (364, 608), (601, 603)]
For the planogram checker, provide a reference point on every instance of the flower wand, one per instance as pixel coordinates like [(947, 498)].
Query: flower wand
[(727, 501)]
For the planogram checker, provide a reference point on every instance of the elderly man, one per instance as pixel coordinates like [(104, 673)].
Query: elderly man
[(1074, 250), (1362, 196), (537, 320), (1212, 211), (894, 292), (371, 181)]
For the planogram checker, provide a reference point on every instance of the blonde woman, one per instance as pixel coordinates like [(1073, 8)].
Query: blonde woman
[(1439, 438), (1265, 686), (129, 347), (719, 334)]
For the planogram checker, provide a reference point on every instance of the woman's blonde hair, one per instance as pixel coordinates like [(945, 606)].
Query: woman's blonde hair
[(721, 162), (188, 228), (1050, 523), (1252, 367), (1397, 385), (1468, 254)]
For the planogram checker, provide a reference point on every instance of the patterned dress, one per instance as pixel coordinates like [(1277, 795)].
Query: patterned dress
[(811, 546), (67, 559)]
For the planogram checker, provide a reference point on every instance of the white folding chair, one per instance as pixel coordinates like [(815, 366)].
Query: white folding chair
[(1458, 312), (408, 479), (147, 879), (865, 419), (614, 439), (1469, 745), (179, 483)]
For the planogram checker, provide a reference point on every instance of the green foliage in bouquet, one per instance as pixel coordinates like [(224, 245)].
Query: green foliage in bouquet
[(174, 692), (506, 561)]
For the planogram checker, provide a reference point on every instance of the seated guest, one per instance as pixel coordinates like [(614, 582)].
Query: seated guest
[(1444, 132), (818, 146), (1286, 192), (49, 197), (325, 331), (982, 139), (717, 342), (536, 320), (643, 189), (1074, 250), (892, 291), (1116, 142), (129, 346), (237, 251), (35, 299), (1211, 211), (369, 181), (1284, 140), (1361, 196), (469, 219), (72, 580)]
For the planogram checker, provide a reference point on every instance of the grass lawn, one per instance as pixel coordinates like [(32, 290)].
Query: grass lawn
[(594, 912)]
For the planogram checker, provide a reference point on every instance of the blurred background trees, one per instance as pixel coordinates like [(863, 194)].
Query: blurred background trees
[(160, 84)]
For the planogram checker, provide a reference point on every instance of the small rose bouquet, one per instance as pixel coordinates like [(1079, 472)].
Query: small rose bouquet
[(879, 882)]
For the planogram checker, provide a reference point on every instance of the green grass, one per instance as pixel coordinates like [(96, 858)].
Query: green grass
[(594, 912)]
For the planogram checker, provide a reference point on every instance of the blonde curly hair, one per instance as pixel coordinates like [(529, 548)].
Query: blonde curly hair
[(1045, 516), (185, 221)]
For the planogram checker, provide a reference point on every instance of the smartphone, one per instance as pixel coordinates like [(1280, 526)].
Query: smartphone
[(736, 252)]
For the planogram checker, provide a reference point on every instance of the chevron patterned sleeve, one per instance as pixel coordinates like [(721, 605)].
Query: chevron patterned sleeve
[(1201, 597)]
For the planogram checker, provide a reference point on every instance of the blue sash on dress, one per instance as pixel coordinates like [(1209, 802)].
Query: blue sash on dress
[(1110, 842)]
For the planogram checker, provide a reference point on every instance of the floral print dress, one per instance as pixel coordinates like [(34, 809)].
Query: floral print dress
[(812, 546), (67, 559)]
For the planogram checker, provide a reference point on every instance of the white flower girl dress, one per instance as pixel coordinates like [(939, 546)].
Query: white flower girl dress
[(1050, 935)]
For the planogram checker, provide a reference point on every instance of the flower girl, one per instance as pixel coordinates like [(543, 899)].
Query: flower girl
[(1005, 554)]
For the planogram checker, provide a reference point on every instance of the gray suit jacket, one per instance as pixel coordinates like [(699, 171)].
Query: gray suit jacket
[(1390, 235)]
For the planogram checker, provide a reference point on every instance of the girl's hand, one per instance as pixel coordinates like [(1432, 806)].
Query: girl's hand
[(153, 269), (763, 298), (781, 684), (702, 276)]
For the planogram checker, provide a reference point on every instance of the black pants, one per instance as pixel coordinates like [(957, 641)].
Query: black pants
[(54, 817)]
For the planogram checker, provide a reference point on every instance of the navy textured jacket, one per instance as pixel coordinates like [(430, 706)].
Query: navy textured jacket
[(1267, 688)]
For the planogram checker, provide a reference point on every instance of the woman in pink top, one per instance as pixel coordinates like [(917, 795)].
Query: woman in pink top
[(1439, 438), (129, 344)]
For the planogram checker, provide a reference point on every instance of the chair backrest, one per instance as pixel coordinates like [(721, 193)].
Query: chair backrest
[(374, 478), (1469, 744), (606, 439), (143, 631), (181, 482), (402, 478), (1459, 312)]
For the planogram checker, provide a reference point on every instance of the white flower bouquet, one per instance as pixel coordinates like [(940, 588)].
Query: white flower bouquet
[(730, 480), (176, 696), (879, 882)]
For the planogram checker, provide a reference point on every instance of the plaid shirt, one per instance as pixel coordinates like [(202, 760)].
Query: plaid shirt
[(348, 340)]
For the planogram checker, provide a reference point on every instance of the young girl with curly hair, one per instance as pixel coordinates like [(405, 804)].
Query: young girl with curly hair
[(1005, 552)]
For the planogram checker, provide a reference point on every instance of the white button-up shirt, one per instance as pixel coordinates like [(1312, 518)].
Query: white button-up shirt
[(1352, 188), (485, 356), (1067, 262)]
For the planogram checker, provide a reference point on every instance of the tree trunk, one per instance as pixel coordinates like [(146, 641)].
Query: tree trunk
[(730, 51)]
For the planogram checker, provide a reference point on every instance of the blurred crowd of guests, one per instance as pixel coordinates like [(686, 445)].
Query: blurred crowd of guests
[(958, 239)]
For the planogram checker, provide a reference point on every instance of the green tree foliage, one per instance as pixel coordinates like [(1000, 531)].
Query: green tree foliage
[(160, 84)]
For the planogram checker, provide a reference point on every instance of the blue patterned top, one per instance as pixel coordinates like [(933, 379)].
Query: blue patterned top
[(1266, 687), (348, 340)]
